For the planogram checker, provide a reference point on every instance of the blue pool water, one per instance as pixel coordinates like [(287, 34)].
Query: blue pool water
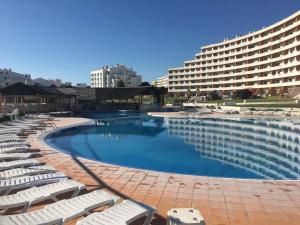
[(235, 148)]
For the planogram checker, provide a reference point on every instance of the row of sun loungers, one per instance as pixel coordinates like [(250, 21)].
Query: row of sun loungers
[(24, 182), (66, 210)]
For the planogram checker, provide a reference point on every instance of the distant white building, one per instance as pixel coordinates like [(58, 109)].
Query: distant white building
[(107, 77), (82, 85), (8, 77), (161, 82)]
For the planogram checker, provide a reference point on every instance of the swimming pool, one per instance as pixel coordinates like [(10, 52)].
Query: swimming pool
[(218, 147)]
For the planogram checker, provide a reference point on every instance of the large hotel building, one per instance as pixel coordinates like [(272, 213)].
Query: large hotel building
[(265, 61)]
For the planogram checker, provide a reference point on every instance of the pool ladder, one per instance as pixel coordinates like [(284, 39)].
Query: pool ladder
[(99, 122), (55, 128)]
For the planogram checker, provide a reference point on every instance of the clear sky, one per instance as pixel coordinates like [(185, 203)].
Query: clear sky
[(68, 38)]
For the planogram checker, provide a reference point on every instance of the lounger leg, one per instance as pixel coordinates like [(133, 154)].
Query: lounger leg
[(87, 212), (149, 218), (6, 192), (54, 198), (75, 193), (3, 211), (25, 207), (168, 221)]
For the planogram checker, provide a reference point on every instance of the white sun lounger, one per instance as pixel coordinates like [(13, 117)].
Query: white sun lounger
[(9, 127), (18, 164), (61, 211), (6, 186), (11, 139), (32, 170), (3, 135), (34, 195), (31, 124), (12, 143), (25, 126), (17, 156), (17, 129), (10, 131), (28, 121), (15, 149), (120, 214)]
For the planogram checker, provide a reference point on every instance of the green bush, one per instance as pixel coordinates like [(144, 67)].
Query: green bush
[(4, 118)]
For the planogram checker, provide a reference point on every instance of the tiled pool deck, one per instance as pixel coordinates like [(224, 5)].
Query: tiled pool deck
[(221, 201)]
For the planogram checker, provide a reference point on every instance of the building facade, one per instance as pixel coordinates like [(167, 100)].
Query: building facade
[(161, 82), (107, 77), (266, 61), (8, 77)]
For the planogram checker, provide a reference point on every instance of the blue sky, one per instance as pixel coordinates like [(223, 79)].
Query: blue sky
[(68, 38)]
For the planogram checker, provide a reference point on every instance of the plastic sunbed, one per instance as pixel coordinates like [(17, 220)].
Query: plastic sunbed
[(18, 164), (6, 186), (61, 211), (17, 156), (32, 170), (120, 214), (34, 195)]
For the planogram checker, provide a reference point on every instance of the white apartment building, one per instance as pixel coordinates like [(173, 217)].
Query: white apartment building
[(161, 81), (8, 77), (108, 77), (266, 61)]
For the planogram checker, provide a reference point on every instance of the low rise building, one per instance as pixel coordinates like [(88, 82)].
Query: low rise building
[(8, 77), (161, 82), (115, 76)]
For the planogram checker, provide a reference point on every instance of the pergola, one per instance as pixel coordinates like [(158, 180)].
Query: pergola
[(35, 98), (127, 93)]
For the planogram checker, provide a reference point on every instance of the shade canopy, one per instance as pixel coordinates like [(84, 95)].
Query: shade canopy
[(21, 89), (124, 93)]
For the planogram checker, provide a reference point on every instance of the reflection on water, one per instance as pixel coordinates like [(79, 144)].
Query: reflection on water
[(121, 128), (269, 148), (222, 147)]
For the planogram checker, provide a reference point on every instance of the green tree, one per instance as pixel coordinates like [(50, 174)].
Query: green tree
[(120, 83), (145, 84)]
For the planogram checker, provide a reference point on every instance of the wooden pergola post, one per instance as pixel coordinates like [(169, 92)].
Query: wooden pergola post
[(38, 103)]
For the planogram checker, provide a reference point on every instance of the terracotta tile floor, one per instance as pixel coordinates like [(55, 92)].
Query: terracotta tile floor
[(221, 201)]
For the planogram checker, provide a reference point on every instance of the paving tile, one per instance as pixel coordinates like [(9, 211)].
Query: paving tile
[(221, 201)]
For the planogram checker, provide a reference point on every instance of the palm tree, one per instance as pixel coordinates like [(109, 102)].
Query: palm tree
[(188, 94), (198, 93)]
